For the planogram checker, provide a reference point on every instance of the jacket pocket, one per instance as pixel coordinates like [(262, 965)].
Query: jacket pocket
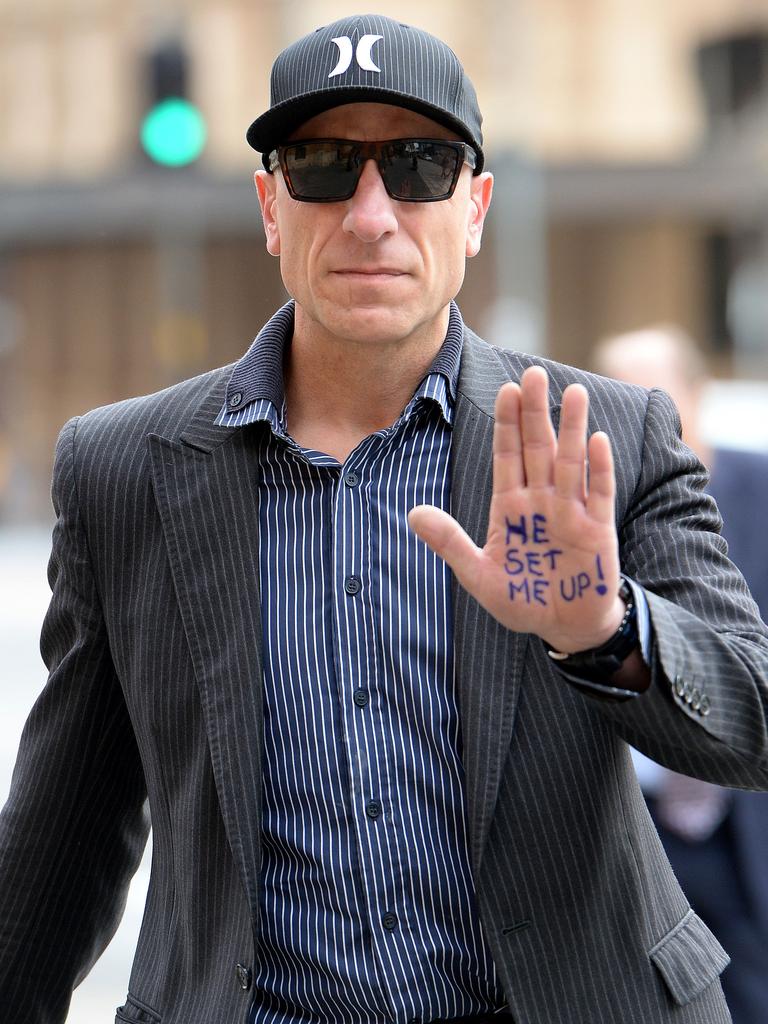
[(689, 958), (136, 1012)]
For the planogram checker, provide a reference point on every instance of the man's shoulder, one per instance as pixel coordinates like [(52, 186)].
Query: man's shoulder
[(164, 412), (494, 364)]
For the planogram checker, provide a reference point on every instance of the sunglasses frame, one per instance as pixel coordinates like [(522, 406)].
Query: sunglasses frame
[(365, 151)]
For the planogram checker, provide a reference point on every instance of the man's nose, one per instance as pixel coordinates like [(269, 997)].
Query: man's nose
[(370, 212)]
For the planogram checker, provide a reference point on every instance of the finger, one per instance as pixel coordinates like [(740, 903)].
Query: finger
[(538, 435), (508, 472), (448, 540), (602, 479), (571, 458)]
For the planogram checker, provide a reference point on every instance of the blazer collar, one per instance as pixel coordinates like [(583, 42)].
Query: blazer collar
[(206, 493), (201, 432)]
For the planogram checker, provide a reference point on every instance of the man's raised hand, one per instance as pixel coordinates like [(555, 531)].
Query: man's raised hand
[(550, 564)]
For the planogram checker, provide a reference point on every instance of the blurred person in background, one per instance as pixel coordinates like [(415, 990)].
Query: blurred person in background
[(716, 839), (386, 783), (5, 471)]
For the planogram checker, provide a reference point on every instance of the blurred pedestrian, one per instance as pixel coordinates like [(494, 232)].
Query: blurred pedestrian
[(716, 839)]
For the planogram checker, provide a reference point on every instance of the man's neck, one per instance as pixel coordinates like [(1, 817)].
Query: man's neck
[(339, 391)]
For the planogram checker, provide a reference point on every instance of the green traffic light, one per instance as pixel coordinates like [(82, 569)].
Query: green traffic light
[(173, 133)]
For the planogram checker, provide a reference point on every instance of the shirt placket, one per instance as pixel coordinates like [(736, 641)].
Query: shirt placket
[(364, 716)]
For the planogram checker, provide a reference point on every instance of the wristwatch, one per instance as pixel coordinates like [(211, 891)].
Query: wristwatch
[(600, 663)]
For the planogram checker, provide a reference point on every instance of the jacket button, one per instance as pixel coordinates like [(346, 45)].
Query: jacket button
[(243, 976), (705, 706), (679, 686), (235, 400), (696, 699)]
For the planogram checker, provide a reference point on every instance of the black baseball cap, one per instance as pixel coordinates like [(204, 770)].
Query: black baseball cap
[(370, 59)]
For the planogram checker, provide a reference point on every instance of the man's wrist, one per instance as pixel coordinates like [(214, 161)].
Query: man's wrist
[(602, 662)]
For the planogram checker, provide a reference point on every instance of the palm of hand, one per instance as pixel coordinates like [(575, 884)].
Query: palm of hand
[(550, 563)]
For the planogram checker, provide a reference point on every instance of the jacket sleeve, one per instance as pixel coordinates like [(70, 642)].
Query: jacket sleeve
[(706, 711), (74, 827)]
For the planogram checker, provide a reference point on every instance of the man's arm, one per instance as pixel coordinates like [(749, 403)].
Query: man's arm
[(74, 827), (550, 566)]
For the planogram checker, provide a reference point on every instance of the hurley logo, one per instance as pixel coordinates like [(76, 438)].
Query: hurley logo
[(362, 54)]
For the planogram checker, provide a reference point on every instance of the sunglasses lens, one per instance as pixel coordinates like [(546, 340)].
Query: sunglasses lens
[(321, 170), (414, 170), (417, 169)]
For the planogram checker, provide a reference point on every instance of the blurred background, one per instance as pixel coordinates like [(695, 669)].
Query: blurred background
[(629, 143)]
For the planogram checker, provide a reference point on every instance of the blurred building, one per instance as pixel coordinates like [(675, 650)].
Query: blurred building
[(627, 136)]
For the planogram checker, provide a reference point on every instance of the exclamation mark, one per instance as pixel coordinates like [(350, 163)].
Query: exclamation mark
[(600, 587)]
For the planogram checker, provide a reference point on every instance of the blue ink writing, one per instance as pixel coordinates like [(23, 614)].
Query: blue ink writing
[(531, 561), (539, 522), (521, 529), (552, 556), (538, 533), (530, 591), (600, 587), (531, 567), (514, 565), (578, 584)]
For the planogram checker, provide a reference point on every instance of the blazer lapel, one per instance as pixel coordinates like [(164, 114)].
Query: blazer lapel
[(206, 491), (489, 657)]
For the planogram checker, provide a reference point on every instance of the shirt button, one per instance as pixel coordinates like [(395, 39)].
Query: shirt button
[(351, 479), (373, 809), (352, 584), (389, 921), (235, 399), (360, 697)]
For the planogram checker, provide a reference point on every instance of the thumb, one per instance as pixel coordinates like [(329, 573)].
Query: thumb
[(448, 540)]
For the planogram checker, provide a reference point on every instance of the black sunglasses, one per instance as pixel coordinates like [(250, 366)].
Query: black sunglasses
[(413, 170)]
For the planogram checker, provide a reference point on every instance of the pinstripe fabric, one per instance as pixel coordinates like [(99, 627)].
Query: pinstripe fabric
[(361, 741), (154, 638)]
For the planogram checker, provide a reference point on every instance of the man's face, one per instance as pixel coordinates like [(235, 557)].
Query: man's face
[(371, 269)]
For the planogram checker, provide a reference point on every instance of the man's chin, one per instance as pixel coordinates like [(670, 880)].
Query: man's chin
[(378, 324)]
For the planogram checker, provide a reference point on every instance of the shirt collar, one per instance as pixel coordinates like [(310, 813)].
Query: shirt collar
[(255, 388)]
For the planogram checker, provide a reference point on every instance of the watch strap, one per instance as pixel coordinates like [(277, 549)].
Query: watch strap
[(598, 663)]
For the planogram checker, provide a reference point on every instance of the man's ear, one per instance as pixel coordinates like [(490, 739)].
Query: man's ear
[(266, 187), (481, 190)]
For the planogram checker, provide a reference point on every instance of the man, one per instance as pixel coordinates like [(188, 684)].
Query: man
[(715, 839), (380, 790)]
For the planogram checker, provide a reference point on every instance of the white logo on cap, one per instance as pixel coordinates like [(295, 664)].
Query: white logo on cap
[(362, 54)]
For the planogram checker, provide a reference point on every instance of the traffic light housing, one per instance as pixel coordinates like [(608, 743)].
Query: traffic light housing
[(173, 131)]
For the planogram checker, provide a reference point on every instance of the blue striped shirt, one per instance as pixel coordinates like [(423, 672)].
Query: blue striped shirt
[(367, 902)]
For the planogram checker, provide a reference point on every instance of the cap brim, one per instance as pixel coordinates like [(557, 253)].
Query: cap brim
[(275, 125)]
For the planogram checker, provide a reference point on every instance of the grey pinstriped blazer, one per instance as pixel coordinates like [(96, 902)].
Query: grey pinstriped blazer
[(153, 639)]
